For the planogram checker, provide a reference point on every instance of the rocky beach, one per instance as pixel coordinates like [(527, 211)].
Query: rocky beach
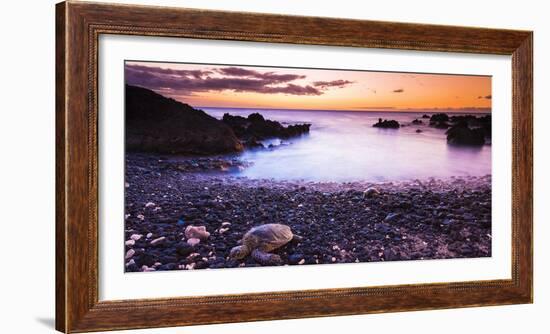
[(197, 181), (338, 222)]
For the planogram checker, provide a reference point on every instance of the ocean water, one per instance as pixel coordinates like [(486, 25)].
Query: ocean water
[(343, 146)]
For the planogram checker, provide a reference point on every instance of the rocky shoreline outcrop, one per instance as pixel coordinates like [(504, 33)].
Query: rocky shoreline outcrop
[(158, 124), (255, 128)]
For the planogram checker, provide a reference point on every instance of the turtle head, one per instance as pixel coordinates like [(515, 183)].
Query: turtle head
[(239, 252)]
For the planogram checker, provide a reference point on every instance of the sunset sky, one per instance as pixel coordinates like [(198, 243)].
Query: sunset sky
[(292, 88)]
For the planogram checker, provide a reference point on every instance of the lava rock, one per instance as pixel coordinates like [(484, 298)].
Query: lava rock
[(155, 123), (255, 127), (184, 249), (461, 134), (385, 124), (295, 258), (392, 217)]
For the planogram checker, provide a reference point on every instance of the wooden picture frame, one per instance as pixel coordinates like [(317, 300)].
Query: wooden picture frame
[(78, 26)]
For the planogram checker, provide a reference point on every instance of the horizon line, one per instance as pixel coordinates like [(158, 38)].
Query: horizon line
[(427, 110)]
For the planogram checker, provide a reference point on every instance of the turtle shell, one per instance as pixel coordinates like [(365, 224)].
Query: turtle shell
[(269, 236)]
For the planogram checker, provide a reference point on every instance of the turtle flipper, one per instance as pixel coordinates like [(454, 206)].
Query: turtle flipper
[(266, 259), (297, 238)]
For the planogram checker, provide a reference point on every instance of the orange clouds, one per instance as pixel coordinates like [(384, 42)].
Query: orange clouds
[(294, 88)]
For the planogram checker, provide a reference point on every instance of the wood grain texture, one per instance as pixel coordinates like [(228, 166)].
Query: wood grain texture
[(78, 27), (60, 180)]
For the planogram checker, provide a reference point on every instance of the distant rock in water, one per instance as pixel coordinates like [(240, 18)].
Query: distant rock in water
[(441, 117), (439, 121), (462, 134), (482, 122), (385, 124), (468, 130), (465, 136), (155, 123), (440, 125), (255, 127), (417, 121), (425, 116)]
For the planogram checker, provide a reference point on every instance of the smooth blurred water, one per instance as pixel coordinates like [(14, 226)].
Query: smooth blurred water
[(343, 146)]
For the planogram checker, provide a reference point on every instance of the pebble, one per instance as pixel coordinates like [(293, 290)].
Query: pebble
[(129, 253), (392, 216), (371, 192), (193, 256), (193, 241), (158, 241), (130, 242), (184, 249), (296, 258), (149, 235), (226, 224), (198, 232), (149, 204), (447, 221), (136, 237)]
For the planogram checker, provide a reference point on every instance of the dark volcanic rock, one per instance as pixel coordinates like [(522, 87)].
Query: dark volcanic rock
[(392, 217), (295, 258), (440, 125), (256, 127), (417, 121), (425, 116), (461, 134), (436, 118), (253, 143), (483, 122), (464, 129), (439, 121), (184, 249), (155, 123), (385, 124)]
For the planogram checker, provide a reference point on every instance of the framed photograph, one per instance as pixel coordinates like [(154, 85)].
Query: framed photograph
[(221, 166)]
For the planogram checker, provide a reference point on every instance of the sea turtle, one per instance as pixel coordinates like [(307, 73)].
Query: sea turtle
[(260, 240)]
